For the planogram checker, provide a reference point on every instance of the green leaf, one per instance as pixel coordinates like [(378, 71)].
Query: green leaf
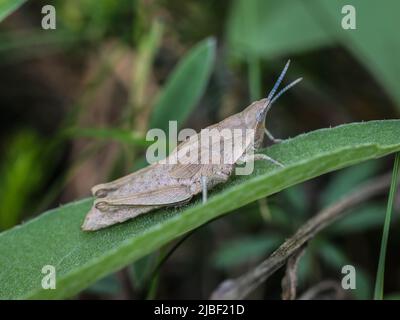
[(22, 173), (148, 46), (80, 258), (256, 28), (347, 180), (372, 43), (306, 268), (296, 197), (245, 249), (331, 254), (185, 86), (9, 6), (364, 287), (108, 285), (365, 217), (336, 259)]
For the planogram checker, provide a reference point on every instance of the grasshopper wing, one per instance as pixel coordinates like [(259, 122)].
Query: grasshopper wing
[(161, 196), (111, 210), (222, 151), (97, 219), (103, 189), (185, 171)]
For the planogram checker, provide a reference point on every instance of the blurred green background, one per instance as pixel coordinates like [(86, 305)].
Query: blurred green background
[(77, 101)]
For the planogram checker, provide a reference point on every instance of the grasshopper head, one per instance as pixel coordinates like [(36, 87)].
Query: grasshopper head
[(255, 114), (250, 116)]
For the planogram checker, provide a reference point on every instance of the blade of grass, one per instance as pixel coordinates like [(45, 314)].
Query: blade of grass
[(378, 294), (140, 75)]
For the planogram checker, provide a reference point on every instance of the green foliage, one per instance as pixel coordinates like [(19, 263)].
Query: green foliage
[(9, 6), (254, 32), (255, 28), (296, 208), (346, 180), (82, 258), (185, 86), (108, 285), (245, 249), (94, 19), (110, 134), (147, 49), (367, 216), (371, 43), (21, 174)]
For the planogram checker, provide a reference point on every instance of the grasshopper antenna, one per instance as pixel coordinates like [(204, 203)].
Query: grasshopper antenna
[(278, 82), (290, 85), (272, 97)]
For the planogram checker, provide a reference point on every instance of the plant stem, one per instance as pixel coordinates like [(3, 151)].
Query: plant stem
[(378, 294)]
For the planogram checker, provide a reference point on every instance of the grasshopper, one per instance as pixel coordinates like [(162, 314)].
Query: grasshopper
[(173, 184)]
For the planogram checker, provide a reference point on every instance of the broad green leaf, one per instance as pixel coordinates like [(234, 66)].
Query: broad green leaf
[(185, 86), (81, 258), (9, 6), (268, 28), (374, 41)]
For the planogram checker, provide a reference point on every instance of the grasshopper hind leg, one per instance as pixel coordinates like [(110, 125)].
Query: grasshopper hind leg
[(204, 188), (262, 156), (258, 156)]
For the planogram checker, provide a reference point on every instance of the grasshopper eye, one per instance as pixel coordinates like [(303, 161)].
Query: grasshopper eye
[(259, 116)]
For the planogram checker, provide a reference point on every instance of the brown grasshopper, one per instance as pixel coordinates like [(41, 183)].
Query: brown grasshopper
[(173, 184)]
